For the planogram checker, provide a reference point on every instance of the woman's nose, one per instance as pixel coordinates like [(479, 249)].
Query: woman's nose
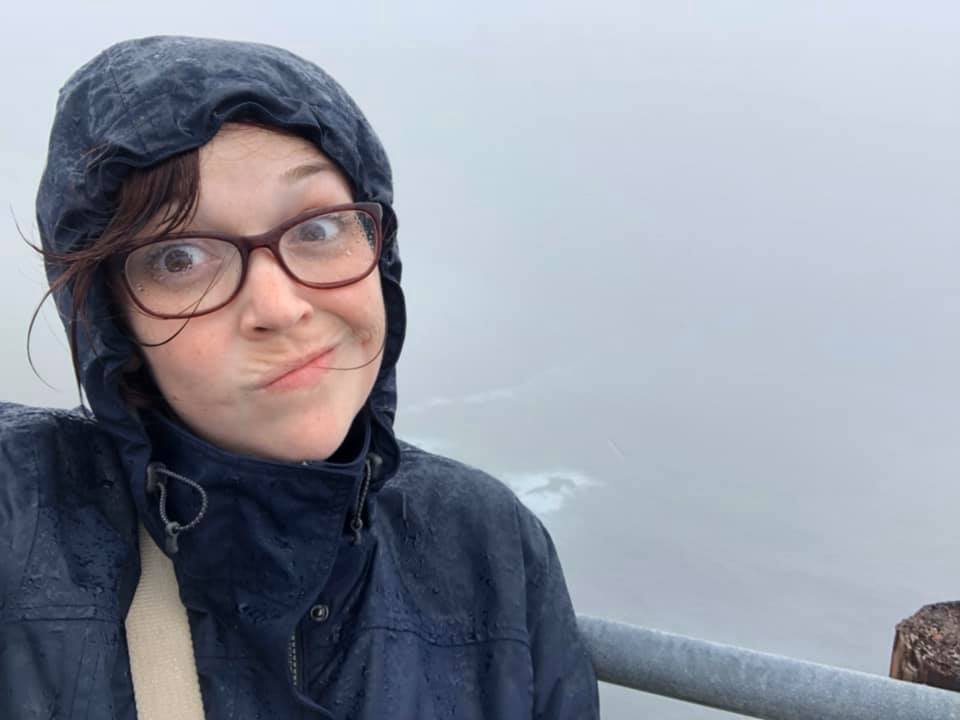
[(270, 299)]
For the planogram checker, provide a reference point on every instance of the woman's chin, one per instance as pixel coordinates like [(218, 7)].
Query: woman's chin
[(311, 448)]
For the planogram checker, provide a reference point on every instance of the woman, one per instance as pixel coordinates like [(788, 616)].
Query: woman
[(217, 225)]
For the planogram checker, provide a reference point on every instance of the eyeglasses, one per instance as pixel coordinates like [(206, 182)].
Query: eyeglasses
[(182, 275)]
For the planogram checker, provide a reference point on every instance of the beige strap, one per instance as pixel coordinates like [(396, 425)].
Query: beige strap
[(164, 670)]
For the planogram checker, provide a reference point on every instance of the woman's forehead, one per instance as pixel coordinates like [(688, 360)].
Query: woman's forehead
[(251, 172), (257, 145)]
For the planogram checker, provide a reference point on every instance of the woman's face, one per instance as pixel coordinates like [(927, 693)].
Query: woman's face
[(220, 373)]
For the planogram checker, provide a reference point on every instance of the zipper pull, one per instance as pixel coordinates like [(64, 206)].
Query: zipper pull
[(371, 469)]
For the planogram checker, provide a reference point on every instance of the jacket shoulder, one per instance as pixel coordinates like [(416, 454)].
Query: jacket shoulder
[(32, 439), (463, 502), (490, 554), (435, 481), (40, 445), (15, 418), (454, 522), (62, 497)]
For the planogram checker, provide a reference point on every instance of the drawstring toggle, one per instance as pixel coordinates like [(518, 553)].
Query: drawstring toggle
[(371, 469), (157, 474)]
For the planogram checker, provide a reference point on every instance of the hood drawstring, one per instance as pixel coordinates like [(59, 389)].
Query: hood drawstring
[(158, 484), (371, 470), (172, 528)]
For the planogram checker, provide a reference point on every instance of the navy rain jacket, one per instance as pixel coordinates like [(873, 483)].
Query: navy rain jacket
[(448, 603)]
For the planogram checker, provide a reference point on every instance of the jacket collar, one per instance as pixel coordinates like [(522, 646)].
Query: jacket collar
[(267, 534)]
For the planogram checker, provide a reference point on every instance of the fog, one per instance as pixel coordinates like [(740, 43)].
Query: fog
[(684, 274)]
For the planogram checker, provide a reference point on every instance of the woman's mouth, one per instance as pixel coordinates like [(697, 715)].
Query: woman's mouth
[(299, 373)]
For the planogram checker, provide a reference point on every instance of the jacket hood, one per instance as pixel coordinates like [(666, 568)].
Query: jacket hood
[(138, 103), (142, 101)]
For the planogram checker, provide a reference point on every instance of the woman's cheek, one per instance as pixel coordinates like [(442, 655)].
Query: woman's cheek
[(184, 370)]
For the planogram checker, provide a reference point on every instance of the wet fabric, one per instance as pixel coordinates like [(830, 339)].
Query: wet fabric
[(388, 583)]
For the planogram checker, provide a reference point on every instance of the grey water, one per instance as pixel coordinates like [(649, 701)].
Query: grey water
[(685, 274)]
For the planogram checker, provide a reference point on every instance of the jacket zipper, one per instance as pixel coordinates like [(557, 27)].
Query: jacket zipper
[(293, 654), (293, 664)]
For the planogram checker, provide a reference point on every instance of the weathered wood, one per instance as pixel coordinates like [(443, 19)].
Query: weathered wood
[(926, 647)]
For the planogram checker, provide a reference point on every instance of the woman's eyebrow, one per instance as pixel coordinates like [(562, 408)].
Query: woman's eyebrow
[(302, 171)]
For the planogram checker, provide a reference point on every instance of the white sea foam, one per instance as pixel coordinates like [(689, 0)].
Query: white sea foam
[(483, 397), (542, 492), (479, 398), (547, 492), (429, 444)]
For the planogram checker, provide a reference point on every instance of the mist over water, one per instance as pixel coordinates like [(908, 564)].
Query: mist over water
[(684, 275)]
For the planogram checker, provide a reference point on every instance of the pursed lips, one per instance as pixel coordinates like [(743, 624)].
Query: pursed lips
[(283, 369)]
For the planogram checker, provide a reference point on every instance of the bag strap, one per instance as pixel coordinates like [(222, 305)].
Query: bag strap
[(164, 670)]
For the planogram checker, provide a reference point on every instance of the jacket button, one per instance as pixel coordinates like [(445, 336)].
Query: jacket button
[(319, 613)]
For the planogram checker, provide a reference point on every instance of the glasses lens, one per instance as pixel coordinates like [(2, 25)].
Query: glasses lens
[(339, 247), (183, 276), (330, 248)]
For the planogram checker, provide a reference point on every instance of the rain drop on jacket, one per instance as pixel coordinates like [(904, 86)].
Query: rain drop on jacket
[(448, 603)]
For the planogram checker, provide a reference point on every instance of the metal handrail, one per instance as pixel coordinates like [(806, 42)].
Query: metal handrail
[(751, 683)]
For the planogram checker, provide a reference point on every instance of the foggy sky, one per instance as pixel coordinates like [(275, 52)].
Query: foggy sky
[(703, 253)]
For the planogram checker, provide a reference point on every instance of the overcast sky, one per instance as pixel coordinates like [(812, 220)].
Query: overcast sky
[(699, 260)]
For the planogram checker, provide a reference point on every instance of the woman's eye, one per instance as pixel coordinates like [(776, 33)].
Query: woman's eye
[(317, 230), (176, 260)]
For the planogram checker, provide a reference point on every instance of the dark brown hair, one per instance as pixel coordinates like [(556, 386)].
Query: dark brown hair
[(162, 197)]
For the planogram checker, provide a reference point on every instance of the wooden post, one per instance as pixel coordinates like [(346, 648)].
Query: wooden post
[(926, 647)]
